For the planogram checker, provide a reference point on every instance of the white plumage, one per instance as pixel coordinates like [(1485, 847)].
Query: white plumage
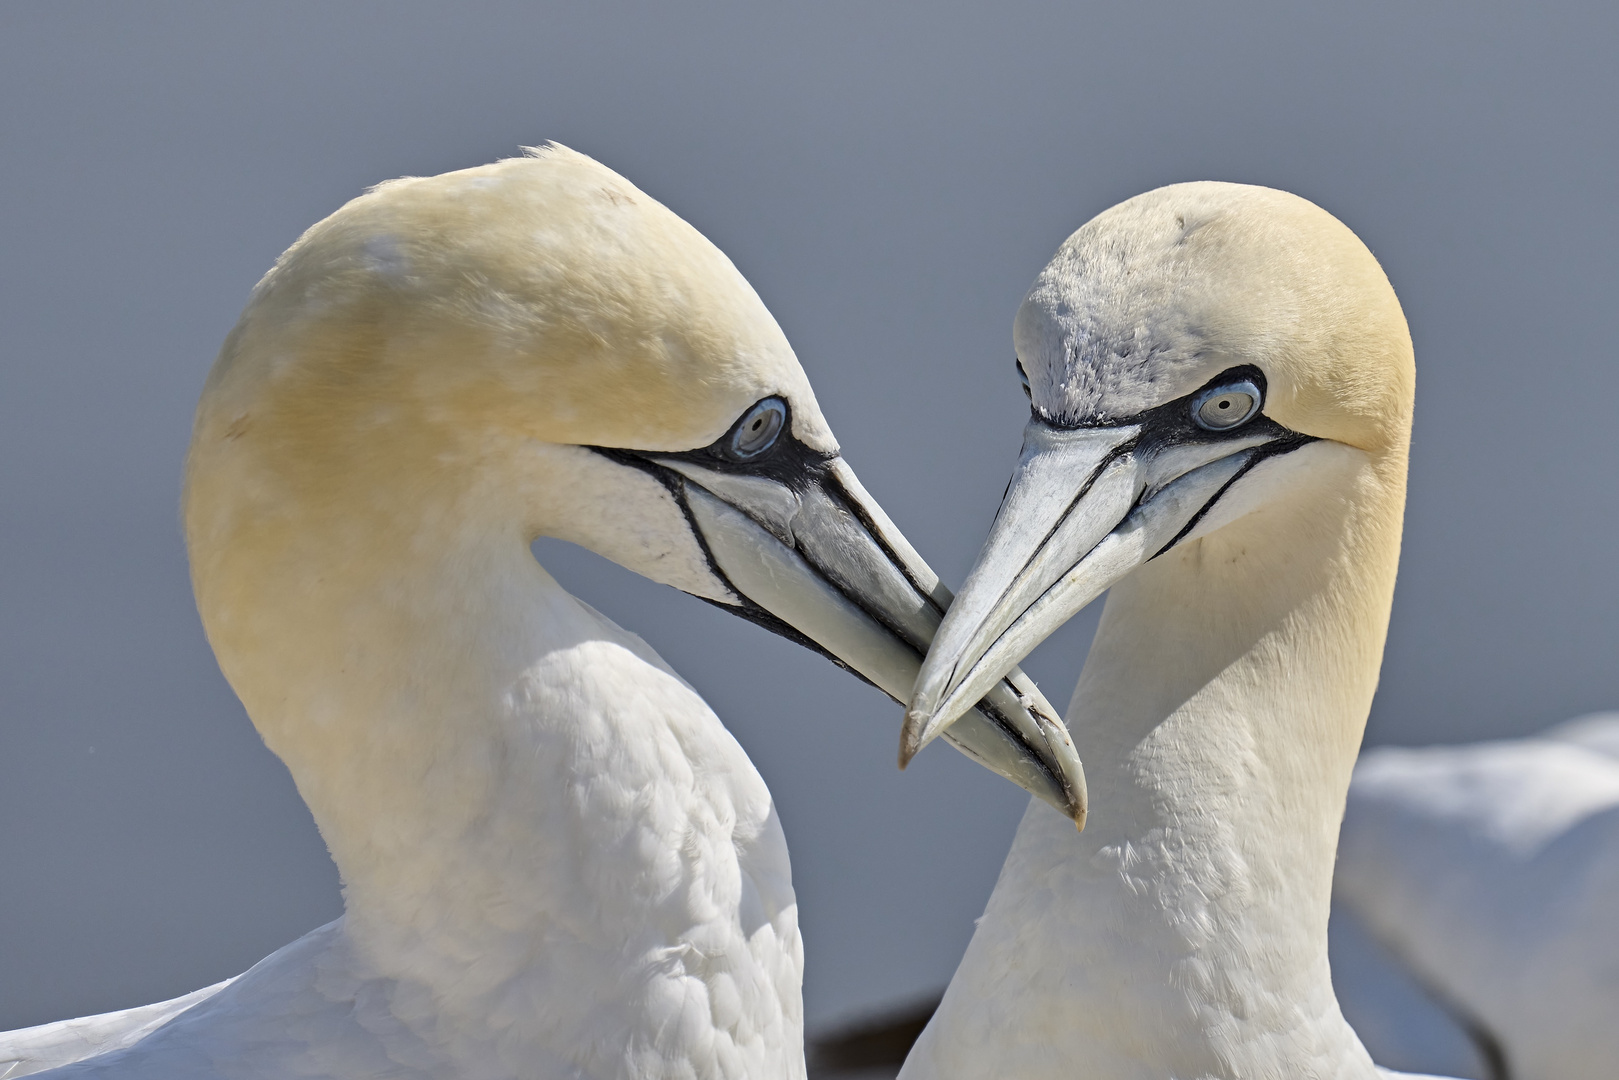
[(556, 861), (1221, 385), (1492, 870)]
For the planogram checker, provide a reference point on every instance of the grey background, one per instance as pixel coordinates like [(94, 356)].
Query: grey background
[(890, 178)]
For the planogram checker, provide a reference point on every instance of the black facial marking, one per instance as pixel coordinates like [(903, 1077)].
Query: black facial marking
[(675, 484), (1173, 424), (786, 461)]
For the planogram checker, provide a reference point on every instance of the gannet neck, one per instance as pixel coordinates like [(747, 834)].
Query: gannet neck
[(1184, 932), (556, 862), (546, 839)]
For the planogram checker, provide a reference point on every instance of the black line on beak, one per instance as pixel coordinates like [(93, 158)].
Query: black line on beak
[(847, 499)]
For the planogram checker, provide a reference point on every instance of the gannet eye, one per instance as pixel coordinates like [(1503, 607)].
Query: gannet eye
[(1023, 377), (1222, 408), (756, 432)]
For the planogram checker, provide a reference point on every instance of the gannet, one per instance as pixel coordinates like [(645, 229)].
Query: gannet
[(556, 861), (1220, 380), (1491, 871)]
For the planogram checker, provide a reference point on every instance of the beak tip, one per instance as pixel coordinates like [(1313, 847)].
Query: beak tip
[(912, 736)]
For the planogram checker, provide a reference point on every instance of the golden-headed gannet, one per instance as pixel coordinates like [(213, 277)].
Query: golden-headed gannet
[(1491, 871), (556, 861), (1221, 385)]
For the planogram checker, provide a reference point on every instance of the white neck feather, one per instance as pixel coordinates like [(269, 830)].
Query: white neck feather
[(551, 849), (1184, 933)]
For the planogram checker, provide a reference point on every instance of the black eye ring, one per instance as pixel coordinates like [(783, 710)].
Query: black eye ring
[(758, 430), (1229, 405)]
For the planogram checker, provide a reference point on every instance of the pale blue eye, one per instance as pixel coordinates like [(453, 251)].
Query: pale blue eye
[(758, 429), (1222, 408)]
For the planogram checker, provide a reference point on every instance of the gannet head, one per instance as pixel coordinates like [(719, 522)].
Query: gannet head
[(559, 354), (1178, 352)]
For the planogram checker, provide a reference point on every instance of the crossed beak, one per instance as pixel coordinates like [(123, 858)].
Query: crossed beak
[(813, 557)]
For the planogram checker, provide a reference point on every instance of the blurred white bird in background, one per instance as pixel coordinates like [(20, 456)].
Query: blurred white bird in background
[(556, 861), (1221, 381), (1490, 872)]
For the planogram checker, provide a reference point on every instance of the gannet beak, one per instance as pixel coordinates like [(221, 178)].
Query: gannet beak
[(1085, 507), (812, 556)]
